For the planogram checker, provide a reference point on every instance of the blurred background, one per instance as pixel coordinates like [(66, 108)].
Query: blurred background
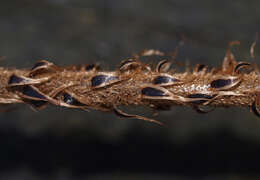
[(59, 143)]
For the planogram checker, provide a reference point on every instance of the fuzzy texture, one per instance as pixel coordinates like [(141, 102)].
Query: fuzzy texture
[(133, 83)]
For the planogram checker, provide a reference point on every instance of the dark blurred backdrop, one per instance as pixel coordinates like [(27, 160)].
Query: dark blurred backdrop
[(59, 143)]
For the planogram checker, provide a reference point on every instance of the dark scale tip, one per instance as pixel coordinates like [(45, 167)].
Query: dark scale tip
[(255, 109), (201, 67), (15, 80), (71, 100), (149, 91), (163, 107), (164, 80), (31, 92), (100, 79), (90, 67), (38, 64), (37, 104), (219, 83)]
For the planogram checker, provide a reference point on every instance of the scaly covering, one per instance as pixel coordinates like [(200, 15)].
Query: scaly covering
[(133, 83)]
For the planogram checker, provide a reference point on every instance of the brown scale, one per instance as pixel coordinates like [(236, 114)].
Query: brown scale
[(133, 83)]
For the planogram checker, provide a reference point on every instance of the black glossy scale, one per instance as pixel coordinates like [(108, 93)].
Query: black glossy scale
[(126, 62), (29, 91), (241, 65), (71, 100), (149, 91), (255, 109), (100, 79), (15, 79), (164, 80), (38, 64), (219, 83), (163, 65), (198, 95)]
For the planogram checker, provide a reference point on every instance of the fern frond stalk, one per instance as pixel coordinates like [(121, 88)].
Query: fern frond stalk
[(133, 83)]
